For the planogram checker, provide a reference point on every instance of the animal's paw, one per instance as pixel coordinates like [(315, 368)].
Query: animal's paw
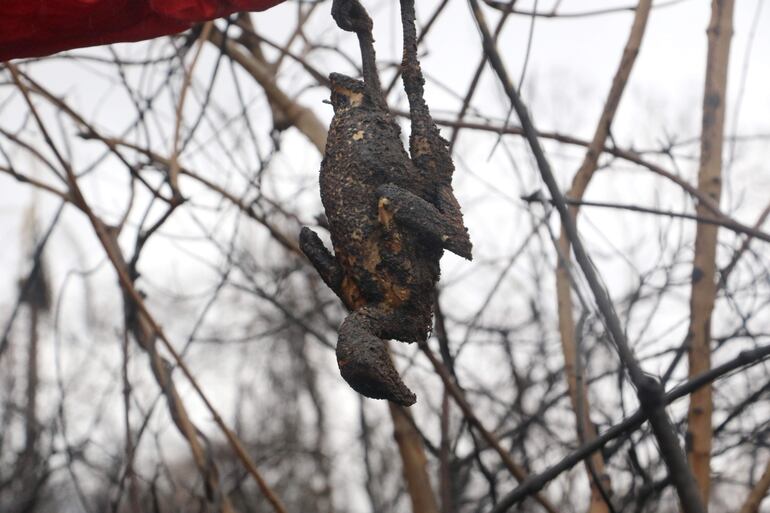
[(351, 16), (418, 214)]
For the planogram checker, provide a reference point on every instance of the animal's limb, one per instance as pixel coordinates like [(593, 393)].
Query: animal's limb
[(412, 211), (364, 360), (429, 151), (410, 65), (351, 16), (313, 248), (426, 146)]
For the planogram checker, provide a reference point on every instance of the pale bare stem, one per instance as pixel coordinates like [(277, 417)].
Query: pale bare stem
[(414, 461), (173, 169), (704, 282), (250, 40), (600, 490), (758, 493), (299, 116)]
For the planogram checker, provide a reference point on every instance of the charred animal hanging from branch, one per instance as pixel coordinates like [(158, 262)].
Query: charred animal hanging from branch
[(390, 216)]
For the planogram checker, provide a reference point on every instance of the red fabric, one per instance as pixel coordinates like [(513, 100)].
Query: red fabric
[(32, 28)]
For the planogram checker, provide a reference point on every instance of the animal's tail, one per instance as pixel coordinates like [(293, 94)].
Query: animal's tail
[(365, 362)]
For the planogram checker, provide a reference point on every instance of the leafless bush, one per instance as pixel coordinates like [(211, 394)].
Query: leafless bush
[(166, 347)]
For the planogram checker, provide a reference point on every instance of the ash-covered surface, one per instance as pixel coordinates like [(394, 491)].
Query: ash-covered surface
[(390, 217)]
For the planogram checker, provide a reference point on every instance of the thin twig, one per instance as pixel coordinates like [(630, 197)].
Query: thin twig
[(649, 391), (514, 468), (631, 423), (111, 248)]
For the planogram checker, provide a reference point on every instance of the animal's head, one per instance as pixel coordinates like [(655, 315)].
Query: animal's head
[(347, 93)]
